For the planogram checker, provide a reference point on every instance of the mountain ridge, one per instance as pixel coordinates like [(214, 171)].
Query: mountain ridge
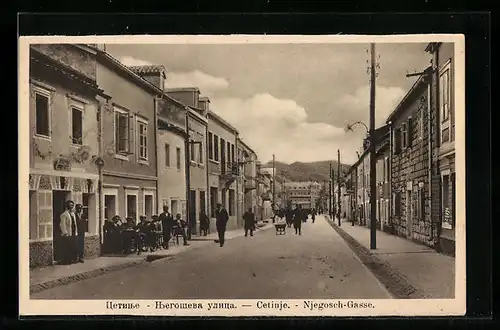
[(306, 171)]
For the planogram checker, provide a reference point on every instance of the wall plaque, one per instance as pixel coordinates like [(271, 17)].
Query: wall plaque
[(62, 164)]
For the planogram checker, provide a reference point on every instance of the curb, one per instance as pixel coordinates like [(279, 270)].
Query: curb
[(395, 282), (35, 288)]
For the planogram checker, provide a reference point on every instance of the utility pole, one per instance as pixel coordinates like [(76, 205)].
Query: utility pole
[(373, 182), (330, 192), (338, 186), (274, 184)]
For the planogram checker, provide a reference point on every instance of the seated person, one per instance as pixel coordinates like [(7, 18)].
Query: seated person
[(180, 228)]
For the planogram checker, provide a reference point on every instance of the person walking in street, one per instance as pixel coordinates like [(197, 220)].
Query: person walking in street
[(297, 219), (81, 224), (222, 217), (289, 217), (313, 215), (204, 223), (249, 219), (167, 222), (69, 231)]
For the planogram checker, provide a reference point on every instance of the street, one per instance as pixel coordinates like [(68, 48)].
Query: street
[(316, 265)]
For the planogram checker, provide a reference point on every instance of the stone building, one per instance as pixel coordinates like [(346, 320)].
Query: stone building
[(304, 193), (64, 144), (443, 162), (410, 164)]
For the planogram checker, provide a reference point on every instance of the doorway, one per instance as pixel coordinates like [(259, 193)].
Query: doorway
[(202, 202), (59, 198), (409, 220), (192, 211)]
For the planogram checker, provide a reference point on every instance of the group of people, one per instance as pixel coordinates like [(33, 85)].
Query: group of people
[(71, 238), (153, 233), (296, 217)]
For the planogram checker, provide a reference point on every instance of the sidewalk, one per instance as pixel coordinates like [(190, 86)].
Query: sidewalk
[(425, 272), (51, 276)]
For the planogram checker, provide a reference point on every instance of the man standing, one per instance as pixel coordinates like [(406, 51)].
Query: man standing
[(249, 219), (69, 231), (81, 224), (167, 222), (221, 217), (297, 220)]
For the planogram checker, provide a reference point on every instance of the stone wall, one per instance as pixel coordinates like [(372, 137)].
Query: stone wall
[(40, 254)]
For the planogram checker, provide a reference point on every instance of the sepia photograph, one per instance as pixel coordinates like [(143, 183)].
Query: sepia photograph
[(242, 175)]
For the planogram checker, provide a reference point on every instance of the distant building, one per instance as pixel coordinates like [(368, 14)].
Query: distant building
[(248, 168), (304, 193)]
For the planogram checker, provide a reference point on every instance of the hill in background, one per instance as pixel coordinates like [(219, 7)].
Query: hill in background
[(313, 171)]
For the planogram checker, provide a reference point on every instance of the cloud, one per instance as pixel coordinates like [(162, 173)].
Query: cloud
[(358, 103), (205, 82), (279, 126), (132, 61)]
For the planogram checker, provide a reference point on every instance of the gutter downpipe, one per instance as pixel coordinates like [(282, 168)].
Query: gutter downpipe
[(100, 182), (188, 174), (157, 160), (391, 136)]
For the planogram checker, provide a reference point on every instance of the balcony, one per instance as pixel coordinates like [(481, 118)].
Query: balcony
[(250, 184), (228, 173)]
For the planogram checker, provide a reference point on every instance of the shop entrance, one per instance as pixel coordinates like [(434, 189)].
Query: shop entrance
[(192, 211), (59, 198)]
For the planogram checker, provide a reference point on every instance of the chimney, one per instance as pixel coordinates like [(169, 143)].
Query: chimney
[(188, 95), (154, 74)]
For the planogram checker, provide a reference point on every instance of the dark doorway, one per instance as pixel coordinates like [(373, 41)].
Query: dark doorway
[(192, 211), (223, 156), (202, 202), (59, 197)]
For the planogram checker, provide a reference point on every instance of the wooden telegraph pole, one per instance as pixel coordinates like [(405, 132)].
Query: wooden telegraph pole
[(373, 182), (274, 185), (330, 192)]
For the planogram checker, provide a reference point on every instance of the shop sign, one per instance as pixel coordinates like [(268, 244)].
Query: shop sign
[(447, 220)]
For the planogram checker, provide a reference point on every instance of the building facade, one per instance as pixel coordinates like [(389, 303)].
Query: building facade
[(304, 193), (443, 162), (410, 164), (64, 145), (129, 141), (222, 169), (248, 169)]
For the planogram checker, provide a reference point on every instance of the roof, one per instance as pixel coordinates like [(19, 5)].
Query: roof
[(204, 99), (222, 121), (69, 72), (148, 69), (195, 114), (183, 89), (246, 146), (419, 83), (103, 55), (431, 47)]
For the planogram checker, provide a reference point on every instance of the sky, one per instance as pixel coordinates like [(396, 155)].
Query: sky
[(290, 100)]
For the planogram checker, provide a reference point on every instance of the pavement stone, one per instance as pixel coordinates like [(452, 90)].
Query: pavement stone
[(408, 269)]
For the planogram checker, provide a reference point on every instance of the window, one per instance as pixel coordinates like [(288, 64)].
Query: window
[(148, 205), (446, 205), (422, 123), (213, 201), (232, 153), (77, 125), (231, 202), (397, 141), (192, 152), (142, 127), (445, 92), (421, 204), (167, 155), (42, 114), (228, 148), (109, 206), (123, 132), (33, 214), (201, 149), (404, 136), (210, 146), (45, 214), (178, 153), (132, 207), (174, 207), (397, 204), (409, 132), (387, 169), (216, 148)]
